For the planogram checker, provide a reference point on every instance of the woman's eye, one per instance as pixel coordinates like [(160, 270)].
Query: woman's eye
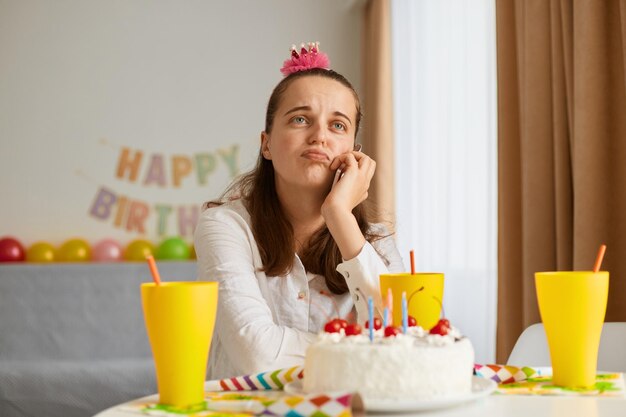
[(339, 126), (299, 120)]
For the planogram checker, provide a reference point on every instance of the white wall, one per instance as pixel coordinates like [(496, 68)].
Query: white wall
[(175, 81)]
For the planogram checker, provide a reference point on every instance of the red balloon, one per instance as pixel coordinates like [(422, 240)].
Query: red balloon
[(11, 250)]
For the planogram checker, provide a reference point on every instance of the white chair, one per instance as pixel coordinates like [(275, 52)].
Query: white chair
[(531, 348)]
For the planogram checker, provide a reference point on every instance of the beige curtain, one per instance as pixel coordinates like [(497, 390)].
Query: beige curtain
[(377, 135), (562, 150)]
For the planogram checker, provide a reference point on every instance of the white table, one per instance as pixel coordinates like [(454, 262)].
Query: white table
[(495, 405)]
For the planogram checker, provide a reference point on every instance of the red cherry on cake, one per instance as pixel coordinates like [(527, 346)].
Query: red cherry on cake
[(335, 325), (342, 323), (441, 328), (332, 326), (392, 331), (353, 329), (378, 324), (412, 321)]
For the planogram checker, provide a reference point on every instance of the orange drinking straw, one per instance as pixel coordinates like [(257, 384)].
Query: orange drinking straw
[(153, 270), (599, 258), (412, 262)]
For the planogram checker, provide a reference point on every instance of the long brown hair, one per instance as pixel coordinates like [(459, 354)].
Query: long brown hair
[(271, 228)]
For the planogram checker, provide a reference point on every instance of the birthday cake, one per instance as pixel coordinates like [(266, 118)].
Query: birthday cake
[(416, 365)]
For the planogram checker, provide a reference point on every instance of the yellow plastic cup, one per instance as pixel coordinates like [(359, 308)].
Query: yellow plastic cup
[(180, 317), (423, 289), (572, 307)]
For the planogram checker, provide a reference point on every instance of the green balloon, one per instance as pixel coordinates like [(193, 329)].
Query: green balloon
[(173, 249)]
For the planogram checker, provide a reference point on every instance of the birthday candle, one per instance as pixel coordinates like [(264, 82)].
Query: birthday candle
[(370, 306), (390, 305), (405, 315), (385, 317)]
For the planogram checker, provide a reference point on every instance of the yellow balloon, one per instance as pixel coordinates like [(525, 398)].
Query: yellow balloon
[(138, 249), (40, 252), (74, 250)]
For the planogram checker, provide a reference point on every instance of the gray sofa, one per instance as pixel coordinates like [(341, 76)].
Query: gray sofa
[(72, 336)]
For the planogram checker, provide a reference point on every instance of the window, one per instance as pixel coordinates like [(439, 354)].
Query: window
[(445, 121)]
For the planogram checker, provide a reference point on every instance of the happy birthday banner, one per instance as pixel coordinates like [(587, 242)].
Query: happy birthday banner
[(162, 171)]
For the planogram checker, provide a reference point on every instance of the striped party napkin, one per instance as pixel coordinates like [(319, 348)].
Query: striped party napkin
[(255, 395), (515, 380), (505, 374), (248, 404), (264, 381)]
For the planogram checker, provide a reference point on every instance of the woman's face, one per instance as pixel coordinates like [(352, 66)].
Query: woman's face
[(314, 123)]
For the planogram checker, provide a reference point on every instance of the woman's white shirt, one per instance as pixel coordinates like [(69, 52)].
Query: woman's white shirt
[(264, 322)]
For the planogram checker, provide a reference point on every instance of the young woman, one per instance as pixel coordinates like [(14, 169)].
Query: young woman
[(292, 246)]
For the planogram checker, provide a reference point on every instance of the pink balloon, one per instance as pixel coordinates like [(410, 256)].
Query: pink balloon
[(106, 250)]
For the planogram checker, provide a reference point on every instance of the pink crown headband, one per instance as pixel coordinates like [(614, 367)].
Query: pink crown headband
[(306, 59)]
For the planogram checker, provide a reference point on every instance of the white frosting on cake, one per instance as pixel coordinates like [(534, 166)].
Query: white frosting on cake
[(416, 365)]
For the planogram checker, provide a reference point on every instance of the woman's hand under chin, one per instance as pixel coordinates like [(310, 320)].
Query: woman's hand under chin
[(349, 189), (353, 173)]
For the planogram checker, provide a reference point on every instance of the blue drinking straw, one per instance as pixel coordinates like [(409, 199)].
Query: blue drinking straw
[(370, 306), (405, 316)]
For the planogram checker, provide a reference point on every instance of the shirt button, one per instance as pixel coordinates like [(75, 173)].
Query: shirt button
[(301, 295)]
